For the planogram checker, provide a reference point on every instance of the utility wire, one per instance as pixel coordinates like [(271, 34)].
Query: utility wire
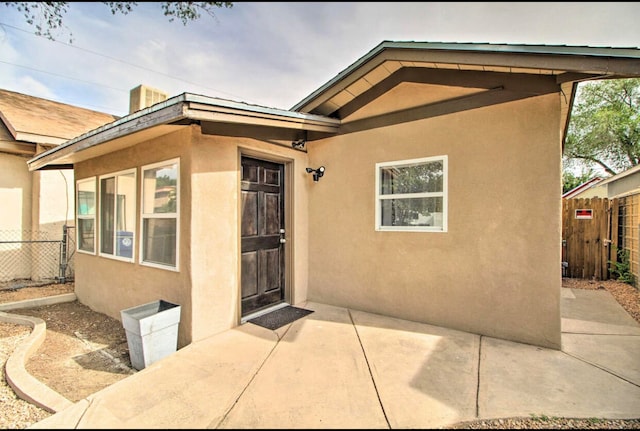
[(105, 108), (63, 76), (118, 60)]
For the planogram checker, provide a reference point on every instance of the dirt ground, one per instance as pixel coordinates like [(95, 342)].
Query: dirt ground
[(85, 351)]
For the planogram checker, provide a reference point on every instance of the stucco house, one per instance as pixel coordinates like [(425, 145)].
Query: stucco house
[(394, 188), (589, 189), (622, 184), (35, 205)]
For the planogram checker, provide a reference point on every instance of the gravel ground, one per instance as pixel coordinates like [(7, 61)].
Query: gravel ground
[(544, 422), (16, 413)]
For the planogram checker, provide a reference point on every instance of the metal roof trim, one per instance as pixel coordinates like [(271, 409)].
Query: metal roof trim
[(131, 117), (593, 182), (186, 98), (189, 97)]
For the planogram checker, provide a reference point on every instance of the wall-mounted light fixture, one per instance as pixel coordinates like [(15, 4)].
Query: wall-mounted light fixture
[(317, 173)]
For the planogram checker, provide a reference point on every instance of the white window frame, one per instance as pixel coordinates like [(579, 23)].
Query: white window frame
[(87, 216), (144, 216), (115, 175), (444, 194)]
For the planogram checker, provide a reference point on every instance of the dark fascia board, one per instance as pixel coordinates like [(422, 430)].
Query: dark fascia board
[(175, 110), (552, 50), (161, 113)]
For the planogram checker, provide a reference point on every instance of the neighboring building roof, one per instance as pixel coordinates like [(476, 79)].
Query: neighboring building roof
[(624, 183), (31, 119), (457, 76), (621, 175), (582, 187)]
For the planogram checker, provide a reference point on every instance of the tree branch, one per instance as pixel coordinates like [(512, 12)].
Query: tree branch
[(594, 160)]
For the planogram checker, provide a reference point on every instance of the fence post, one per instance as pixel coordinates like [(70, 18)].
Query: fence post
[(63, 256)]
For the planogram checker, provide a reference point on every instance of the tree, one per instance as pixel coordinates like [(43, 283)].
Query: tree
[(48, 16), (412, 179), (604, 129), (570, 180)]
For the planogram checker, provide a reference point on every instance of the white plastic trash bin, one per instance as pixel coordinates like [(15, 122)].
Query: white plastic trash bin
[(152, 331)]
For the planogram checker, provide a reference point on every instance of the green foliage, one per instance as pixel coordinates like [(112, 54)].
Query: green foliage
[(570, 180), (604, 129), (542, 418), (594, 421), (47, 17), (413, 179), (169, 203), (165, 180), (621, 268)]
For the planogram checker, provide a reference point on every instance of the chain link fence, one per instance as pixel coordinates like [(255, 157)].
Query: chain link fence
[(36, 257)]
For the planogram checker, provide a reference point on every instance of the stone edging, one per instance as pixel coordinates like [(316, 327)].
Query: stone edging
[(24, 384)]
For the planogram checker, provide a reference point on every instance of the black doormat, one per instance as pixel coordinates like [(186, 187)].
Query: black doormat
[(280, 317)]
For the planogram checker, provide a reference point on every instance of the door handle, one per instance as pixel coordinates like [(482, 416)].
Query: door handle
[(282, 238)]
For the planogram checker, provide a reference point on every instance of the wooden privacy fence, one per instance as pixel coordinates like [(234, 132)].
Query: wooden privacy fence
[(628, 232), (590, 236)]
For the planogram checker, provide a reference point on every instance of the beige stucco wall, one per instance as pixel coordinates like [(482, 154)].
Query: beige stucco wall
[(15, 215), (109, 285), (35, 207), (206, 284), (496, 271), (15, 193), (623, 186), (215, 224), (53, 207), (592, 192), (53, 191)]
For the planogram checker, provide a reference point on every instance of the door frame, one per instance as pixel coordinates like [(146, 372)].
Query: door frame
[(288, 227)]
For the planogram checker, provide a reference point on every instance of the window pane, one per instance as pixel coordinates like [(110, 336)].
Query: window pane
[(160, 189), (107, 192), (86, 198), (85, 234), (414, 178), (125, 214), (159, 236), (412, 212)]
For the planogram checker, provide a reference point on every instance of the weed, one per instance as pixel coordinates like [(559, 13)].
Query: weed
[(622, 267), (541, 418)]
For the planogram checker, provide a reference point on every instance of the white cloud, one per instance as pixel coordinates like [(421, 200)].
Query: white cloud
[(273, 54)]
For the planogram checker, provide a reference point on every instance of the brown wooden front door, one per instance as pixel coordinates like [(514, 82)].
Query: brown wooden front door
[(262, 276)]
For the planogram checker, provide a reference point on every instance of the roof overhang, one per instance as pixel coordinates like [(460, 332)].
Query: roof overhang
[(564, 66), (21, 148), (28, 137), (596, 181), (621, 175), (566, 63), (37, 139), (232, 118), (458, 76)]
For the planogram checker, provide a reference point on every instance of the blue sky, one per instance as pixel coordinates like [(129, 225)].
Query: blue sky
[(267, 53)]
